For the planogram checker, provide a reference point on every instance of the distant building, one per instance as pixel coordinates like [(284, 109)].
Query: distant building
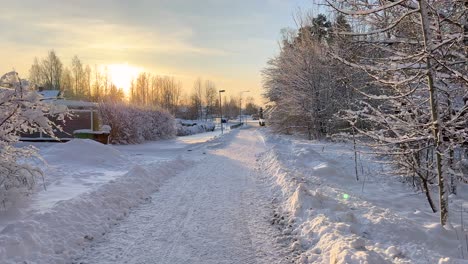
[(50, 94), (84, 114)]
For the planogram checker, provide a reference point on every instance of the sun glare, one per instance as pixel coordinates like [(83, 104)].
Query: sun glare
[(121, 75)]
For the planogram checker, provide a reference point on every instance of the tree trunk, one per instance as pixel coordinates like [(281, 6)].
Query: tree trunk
[(309, 131), (443, 203), (428, 195), (355, 156)]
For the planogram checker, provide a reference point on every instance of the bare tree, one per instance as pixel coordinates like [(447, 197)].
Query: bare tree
[(67, 82), (78, 76), (35, 74), (210, 99), (87, 81), (47, 73), (250, 107), (97, 84), (197, 97), (51, 69)]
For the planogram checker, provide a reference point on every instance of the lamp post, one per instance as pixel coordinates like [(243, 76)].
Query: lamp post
[(240, 106), (221, 110)]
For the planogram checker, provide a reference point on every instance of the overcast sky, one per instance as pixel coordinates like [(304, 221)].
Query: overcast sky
[(227, 41)]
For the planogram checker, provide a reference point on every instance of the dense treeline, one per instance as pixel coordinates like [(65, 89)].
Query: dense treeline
[(306, 86), (392, 72), (83, 82)]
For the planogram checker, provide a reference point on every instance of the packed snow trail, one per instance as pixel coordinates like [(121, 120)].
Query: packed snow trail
[(215, 212)]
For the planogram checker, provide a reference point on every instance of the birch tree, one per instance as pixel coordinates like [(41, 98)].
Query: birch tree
[(416, 51)]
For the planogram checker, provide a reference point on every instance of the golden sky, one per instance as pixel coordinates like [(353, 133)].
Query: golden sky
[(225, 41)]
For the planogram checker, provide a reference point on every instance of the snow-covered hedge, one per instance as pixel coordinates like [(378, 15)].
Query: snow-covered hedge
[(188, 127), (133, 125)]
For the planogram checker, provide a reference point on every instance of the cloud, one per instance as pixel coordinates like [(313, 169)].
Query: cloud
[(221, 38), (98, 35)]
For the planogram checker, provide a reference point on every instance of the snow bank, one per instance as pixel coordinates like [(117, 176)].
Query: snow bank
[(83, 152), (189, 127), (59, 234), (332, 218)]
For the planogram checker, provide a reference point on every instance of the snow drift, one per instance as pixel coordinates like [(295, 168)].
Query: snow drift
[(83, 152), (332, 218), (60, 233)]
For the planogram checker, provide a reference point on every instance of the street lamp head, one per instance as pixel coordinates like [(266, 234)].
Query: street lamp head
[(222, 91)]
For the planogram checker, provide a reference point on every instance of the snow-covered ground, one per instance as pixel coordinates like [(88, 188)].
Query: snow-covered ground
[(87, 187), (335, 219), (213, 212), (247, 197)]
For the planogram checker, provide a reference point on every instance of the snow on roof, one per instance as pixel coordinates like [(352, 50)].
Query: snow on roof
[(75, 103), (50, 94)]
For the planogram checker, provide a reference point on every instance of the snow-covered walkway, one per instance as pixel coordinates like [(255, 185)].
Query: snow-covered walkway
[(215, 212)]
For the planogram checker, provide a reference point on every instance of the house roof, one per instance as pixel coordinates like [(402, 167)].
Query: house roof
[(50, 94), (75, 104)]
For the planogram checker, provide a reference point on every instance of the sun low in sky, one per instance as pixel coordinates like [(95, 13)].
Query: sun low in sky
[(227, 42), (121, 75)]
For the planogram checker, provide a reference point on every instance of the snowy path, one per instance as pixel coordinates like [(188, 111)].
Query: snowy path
[(215, 212)]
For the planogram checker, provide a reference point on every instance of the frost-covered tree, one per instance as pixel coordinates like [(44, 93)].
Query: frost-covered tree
[(21, 111), (416, 53), (304, 85)]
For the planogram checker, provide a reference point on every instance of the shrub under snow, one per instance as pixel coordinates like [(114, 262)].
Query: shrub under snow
[(188, 127), (133, 125), (21, 111)]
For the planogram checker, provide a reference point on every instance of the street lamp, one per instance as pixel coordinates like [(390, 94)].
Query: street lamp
[(240, 106), (221, 110)]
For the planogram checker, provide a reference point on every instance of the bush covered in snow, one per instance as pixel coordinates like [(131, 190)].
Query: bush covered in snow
[(21, 111), (133, 124), (188, 127)]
